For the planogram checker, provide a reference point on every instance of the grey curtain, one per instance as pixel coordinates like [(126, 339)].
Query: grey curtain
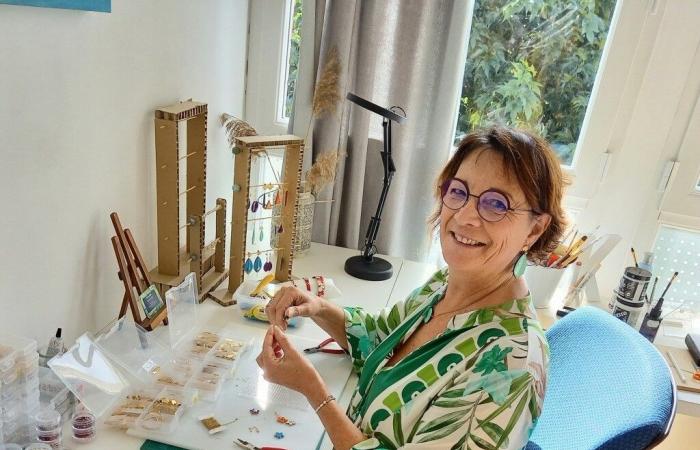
[(408, 53)]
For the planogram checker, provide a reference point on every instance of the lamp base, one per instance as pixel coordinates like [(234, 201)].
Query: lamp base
[(375, 269)]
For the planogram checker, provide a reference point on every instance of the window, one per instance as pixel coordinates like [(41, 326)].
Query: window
[(678, 250), (532, 63), (291, 59)]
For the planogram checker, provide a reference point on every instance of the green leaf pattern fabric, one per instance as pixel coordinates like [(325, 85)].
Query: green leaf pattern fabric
[(479, 385)]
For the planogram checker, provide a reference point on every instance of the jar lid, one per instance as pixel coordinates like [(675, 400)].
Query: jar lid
[(38, 446), (47, 419)]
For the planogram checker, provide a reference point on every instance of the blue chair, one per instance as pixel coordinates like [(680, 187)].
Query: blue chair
[(608, 387)]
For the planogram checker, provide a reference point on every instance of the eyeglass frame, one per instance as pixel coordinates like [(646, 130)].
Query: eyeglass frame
[(443, 192)]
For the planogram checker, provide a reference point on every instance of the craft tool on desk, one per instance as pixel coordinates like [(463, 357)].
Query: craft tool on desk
[(322, 348), (245, 444)]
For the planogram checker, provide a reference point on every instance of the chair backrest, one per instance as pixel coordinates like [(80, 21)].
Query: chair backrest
[(608, 387)]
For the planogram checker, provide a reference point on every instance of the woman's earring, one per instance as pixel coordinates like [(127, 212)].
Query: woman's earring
[(520, 263)]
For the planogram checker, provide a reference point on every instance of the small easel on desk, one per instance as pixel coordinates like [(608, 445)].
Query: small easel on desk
[(134, 275), (584, 274)]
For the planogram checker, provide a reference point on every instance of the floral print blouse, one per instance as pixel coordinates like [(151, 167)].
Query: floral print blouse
[(478, 385)]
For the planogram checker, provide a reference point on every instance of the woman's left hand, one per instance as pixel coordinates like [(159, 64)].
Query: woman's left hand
[(282, 364)]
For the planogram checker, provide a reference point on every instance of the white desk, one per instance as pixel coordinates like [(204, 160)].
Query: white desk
[(320, 260)]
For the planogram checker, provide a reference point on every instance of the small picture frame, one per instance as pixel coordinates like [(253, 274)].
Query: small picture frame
[(151, 302)]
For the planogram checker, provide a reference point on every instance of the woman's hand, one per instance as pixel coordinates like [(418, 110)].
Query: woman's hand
[(290, 302), (282, 364)]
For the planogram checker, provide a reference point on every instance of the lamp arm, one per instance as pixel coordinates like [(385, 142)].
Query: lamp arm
[(389, 169)]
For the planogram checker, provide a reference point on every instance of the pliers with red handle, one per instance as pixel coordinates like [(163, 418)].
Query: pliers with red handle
[(321, 348), (245, 444)]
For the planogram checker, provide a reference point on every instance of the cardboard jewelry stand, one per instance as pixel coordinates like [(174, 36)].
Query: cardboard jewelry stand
[(245, 148), (134, 275), (174, 260)]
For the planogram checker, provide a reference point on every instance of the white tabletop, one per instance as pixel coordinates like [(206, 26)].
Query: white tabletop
[(320, 260)]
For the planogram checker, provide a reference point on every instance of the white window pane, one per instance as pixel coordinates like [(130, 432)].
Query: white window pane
[(292, 54), (532, 64), (678, 250)]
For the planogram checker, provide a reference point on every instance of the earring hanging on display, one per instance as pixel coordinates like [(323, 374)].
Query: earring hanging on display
[(280, 230), (258, 264), (254, 206), (520, 263), (278, 200), (252, 235), (260, 238), (268, 264), (248, 266)]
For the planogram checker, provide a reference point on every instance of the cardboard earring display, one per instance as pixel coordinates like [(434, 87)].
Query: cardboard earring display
[(176, 259), (246, 148)]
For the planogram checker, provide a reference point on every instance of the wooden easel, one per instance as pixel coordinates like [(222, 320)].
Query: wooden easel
[(134, 275)]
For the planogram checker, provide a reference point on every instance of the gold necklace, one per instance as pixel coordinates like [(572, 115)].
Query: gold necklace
[(471, 305)]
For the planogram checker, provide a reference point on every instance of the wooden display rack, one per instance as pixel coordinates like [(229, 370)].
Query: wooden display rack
[(175, 261), (245, 148)]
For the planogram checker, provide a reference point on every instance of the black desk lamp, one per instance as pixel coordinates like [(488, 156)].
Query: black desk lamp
[(367, 266)]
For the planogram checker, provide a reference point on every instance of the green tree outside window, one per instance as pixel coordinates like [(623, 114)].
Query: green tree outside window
[(531, 64), (294, 41)]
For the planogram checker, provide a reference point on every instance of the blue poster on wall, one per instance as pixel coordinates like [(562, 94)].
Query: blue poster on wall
[(85, 5)]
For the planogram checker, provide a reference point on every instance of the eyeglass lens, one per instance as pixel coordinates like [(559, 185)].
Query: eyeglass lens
[(492, 206)]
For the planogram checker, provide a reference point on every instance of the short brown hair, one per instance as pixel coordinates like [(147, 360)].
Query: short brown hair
[(536, 168)]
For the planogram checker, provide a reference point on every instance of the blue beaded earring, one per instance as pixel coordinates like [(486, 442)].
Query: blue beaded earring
[(520, 263), (257, 265), (248, 266)]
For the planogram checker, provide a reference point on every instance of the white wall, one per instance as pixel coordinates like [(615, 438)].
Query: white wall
[(77, 94)]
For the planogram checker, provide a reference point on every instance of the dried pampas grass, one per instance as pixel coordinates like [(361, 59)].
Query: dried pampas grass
[(322, 172), (236, 128), (327, 90)]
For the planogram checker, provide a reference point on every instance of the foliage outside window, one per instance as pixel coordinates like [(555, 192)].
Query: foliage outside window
[(293, 56), (531, 64)]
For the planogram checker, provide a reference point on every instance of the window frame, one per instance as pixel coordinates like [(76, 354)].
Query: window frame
[(283, 75)]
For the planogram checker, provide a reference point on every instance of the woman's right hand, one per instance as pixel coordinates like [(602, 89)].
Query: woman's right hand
[(290, 301)]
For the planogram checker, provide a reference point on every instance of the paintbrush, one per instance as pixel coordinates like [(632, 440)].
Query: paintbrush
[(634, 257), (573, 252), (653, 288), (675, 274)]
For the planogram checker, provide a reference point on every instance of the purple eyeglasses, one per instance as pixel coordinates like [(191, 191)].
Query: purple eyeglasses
[(492, 205)]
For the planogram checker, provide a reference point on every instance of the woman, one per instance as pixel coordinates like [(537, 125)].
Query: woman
[(462, 361)]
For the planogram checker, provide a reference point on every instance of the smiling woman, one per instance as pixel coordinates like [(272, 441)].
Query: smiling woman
[(462, 362)]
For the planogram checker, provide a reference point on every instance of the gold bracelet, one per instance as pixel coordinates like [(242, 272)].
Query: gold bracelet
[(328, 399)]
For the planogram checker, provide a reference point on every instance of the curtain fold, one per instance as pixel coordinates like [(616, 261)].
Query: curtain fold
[(407, 53)]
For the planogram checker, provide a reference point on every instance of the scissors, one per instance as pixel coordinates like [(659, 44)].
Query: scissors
[(321, 348), (245, 444)]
